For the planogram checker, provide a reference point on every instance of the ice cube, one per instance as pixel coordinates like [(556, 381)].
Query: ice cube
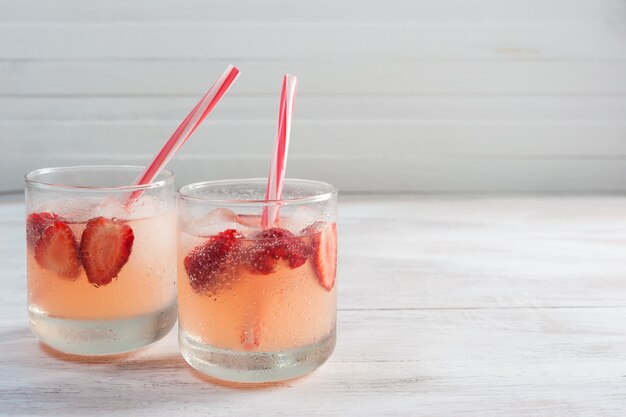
[(215, 222), (110, 207), (71, 210), (77, 210), (302, 217)]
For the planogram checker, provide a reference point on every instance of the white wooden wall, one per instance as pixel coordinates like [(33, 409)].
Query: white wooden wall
[(398, 95)]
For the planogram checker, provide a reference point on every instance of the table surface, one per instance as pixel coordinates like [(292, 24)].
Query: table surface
[(448, 306)]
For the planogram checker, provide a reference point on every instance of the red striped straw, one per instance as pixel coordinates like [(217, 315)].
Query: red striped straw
[(276, 176), (251, 334), (186, 129)]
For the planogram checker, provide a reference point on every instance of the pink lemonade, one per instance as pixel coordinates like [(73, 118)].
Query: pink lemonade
[(252, 306), (144, 284), (100, 285)]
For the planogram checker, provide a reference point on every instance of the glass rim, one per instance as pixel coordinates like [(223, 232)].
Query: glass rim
[(30, 180), (183, 192)]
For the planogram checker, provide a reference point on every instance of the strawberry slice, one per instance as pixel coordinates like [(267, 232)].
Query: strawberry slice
[(36, 223), (324, 252), (56, 250), (208, 266), (105, 247), (274, 244)]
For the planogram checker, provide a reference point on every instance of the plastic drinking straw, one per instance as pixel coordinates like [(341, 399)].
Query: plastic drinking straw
[(250, 337), (185, 129), (276, 176)]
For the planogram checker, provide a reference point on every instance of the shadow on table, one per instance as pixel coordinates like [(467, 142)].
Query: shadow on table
[(26, 346), (135, 360), (41, 380), (20, 346)]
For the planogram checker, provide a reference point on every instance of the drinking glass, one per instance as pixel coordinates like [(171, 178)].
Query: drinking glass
[(101, 258), (257, 301)]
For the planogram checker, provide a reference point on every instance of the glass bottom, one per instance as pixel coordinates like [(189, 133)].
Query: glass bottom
[(102, 337), (254, 367)]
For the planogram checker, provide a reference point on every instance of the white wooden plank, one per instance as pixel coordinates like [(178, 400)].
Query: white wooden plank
[(439, 362), (441, 252), (535, 80), (320, 139), (375, 174), (317, 40), (156, 382), (215, 11), (317, 77), (320, 108)]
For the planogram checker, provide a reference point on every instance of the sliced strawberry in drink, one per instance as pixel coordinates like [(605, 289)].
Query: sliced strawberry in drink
[(324, 251), (207, 265), (274, 244), (105, 248), (36, 223), (56, 250)]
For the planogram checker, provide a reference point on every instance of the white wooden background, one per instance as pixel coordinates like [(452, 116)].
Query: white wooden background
[(404, 95)]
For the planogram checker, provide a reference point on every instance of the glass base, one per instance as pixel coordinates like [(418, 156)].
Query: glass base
[(254, 367), (102, 337)]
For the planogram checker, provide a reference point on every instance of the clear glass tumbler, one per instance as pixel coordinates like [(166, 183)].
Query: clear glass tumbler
[(101, 258), (257, 301)]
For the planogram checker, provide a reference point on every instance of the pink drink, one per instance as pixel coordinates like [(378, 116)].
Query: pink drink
[(261, 311), (143, 286), (256, 304), (101, 277)]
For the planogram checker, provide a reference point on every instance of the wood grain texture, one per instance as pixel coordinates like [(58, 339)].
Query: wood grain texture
[(424, 95), (448, 306)]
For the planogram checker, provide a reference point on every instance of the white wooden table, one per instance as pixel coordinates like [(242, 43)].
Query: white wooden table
[(449, 306)]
